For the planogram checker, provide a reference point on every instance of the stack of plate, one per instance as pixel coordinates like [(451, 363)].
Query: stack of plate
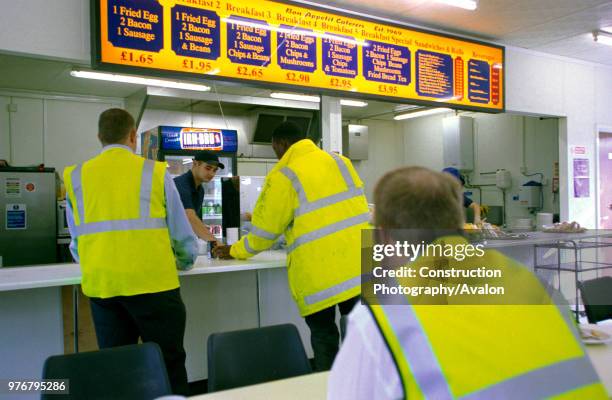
[(522, 225)]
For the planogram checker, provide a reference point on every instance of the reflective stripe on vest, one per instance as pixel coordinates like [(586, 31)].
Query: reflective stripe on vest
[(417, 351), (144, 222), (540, 383), (328, 230), (78, 192), (332, 291), (543, 382), (248, 247), (262, 233), (306, 206)]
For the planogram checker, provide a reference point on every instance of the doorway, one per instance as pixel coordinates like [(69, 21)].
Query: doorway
[(605, 180)]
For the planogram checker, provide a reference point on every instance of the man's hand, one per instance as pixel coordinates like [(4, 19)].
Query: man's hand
[(222, 252)]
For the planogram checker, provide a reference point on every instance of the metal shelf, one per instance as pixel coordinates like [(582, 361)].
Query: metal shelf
[(578, 266)]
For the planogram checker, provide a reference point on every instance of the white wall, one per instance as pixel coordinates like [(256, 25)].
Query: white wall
[(54, 29), (497, 145), (538, 83), (54, 130), (385, 152)]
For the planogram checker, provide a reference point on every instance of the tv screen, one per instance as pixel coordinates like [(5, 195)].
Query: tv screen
[(266, 123)]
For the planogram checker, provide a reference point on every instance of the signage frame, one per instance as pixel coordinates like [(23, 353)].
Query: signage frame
[(97, 64)]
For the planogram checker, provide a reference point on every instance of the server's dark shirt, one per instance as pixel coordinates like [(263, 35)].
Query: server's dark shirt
[(466, 201), (191, 196)]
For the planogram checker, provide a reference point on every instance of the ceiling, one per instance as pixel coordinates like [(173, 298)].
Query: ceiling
[(560, 27)]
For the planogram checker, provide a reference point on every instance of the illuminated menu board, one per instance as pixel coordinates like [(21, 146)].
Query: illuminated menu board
[(290, 46)]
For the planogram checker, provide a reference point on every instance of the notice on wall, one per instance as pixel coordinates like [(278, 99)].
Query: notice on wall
[(310, 48), (12, 187), (16, 216), (581, 178)]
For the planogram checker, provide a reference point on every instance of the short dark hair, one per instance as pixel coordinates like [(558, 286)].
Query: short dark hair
[(418, 198), (114, 125), (288, 131)]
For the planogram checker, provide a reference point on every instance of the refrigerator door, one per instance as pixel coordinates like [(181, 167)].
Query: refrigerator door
[(212, 214), (28, 222)]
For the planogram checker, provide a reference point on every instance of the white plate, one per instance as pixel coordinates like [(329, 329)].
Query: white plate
[(601, 337)]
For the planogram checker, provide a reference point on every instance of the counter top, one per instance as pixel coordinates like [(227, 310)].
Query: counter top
[(49, 275), (544, 238)]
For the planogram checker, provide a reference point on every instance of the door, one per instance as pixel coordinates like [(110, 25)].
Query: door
[(605, 180)]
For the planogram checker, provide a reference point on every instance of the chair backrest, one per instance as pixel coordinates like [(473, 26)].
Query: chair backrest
[(597, 298), (252, 356), (126, 372)]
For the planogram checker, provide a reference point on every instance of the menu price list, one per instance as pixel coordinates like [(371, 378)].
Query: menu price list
[(248, 41), (478, 81), (434, 74), (242, 48), (195, 32), (383, 62), (136, 24), (340, 56), (297, 49)]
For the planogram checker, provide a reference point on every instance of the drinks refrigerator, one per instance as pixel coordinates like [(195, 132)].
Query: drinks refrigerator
[(28, 222), (178, 145)]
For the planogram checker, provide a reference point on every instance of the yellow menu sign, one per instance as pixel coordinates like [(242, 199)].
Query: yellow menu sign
[(287, 44)]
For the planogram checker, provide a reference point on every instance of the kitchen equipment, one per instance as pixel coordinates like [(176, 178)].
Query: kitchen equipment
[(28, 221), (178, 145), (62, 222)]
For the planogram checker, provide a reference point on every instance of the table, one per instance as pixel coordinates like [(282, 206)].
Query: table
[(601, 357), (314, 386), (305, 387)]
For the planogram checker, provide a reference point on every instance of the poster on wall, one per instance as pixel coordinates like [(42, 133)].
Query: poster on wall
[(296, 46), (581, 178)]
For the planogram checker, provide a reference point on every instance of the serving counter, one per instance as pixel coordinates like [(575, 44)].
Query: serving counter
[(219, 295)]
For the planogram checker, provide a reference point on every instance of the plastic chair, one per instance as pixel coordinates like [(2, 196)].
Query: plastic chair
[(127, 372), (252, 356), (597, 298)]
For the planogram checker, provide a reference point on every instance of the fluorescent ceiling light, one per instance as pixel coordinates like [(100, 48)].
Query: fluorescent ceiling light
[(353, 103), (295, 31), (139, 80), (465, 4), (603, 37), (421, 113), (293, 96)]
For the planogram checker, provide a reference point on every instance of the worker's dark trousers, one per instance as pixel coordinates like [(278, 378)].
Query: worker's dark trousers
[(324, 335), (155, 317)]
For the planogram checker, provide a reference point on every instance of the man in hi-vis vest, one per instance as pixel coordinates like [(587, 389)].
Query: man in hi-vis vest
[(130, 234), (316, 200), (515, 344)]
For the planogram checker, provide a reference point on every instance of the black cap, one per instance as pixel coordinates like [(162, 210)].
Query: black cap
[(209, 158)]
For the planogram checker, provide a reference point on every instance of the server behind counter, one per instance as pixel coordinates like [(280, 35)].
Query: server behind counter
[(189, 185)]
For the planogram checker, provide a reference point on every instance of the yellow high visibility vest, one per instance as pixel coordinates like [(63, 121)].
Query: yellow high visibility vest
[(316, 199), (118, 203), (527, 349)]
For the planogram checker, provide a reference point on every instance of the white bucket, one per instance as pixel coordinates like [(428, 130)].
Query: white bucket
[(543, 219)]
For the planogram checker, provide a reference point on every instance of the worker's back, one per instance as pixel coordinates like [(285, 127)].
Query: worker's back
[(323, 241), (119, 211), (518, 344)]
